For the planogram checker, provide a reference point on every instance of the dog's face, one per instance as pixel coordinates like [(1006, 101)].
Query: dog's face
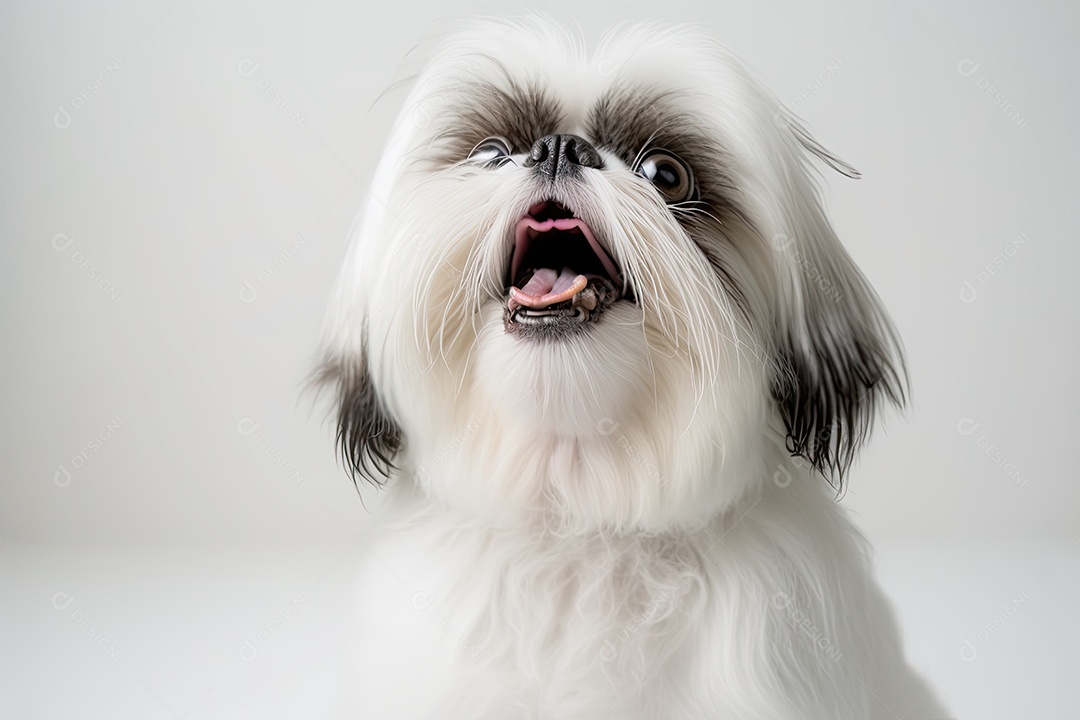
[(599, 288)]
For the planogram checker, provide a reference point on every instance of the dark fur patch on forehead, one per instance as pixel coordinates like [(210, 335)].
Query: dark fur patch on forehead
[(520, 112)]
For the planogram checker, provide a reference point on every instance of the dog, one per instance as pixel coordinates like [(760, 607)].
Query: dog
[(599, 344)]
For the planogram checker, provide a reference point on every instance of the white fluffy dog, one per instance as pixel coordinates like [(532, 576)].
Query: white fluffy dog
[(599, 341)]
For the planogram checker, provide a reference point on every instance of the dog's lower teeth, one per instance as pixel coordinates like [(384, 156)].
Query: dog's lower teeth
[(546, 317), (572, 315), (585, 299)]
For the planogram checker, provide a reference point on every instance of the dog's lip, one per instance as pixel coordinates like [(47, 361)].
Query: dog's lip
[(523, 237)]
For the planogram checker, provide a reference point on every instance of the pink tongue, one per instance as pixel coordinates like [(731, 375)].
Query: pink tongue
[(547, 287)]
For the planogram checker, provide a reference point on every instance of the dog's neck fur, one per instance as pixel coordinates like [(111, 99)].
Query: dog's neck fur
[(538, 604)]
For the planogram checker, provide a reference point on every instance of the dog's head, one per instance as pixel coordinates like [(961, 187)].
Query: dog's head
[(600, 286)]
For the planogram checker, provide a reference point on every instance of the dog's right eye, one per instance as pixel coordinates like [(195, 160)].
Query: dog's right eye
[(490, 149), (670, 174)]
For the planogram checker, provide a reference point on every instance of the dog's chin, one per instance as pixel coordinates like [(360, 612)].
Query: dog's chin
[(567, 376)]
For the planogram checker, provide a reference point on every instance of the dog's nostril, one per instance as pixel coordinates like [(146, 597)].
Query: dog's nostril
[(571, 151), (540, 151), (580, 152)]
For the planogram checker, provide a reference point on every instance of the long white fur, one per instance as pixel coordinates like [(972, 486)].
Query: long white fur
[(608, 527)]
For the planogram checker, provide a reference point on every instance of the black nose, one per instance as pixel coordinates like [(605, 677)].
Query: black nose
[(555, 155)]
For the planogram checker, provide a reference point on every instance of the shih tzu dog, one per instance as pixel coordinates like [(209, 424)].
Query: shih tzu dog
[(598, 341)]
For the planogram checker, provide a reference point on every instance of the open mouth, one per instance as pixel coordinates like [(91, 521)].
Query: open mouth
[(560, 277)]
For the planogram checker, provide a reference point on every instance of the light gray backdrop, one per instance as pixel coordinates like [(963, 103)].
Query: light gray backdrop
[(177, 181)]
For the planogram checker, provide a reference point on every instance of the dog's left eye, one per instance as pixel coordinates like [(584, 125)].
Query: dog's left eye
[(671, 176), (490, 149)]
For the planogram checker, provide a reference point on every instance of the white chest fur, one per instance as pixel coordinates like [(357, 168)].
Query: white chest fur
[(749, 617)]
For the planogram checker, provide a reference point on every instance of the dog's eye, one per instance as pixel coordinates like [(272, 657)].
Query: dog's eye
[(490, 149), (671, 176)]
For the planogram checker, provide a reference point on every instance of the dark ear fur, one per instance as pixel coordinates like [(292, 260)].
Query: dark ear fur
[(368, 438), (839, 358), (831, 389)]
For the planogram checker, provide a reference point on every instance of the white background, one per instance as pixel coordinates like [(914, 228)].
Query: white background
[(140, 139)]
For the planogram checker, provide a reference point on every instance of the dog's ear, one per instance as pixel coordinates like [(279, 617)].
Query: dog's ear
[(368, 438), (838, 356)]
